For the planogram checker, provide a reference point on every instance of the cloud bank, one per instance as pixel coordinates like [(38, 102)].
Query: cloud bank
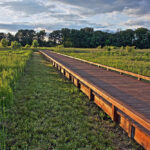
[(51, 15)]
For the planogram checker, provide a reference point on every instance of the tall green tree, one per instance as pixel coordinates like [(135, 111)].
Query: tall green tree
[(84, 38), (41, 35), (56, 37), (2, 35), (141, 38), (10, 38), (66, 37), (25, 36)]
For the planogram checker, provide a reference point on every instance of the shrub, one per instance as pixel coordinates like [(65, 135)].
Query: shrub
[(15, 45), (130, 49), (67, 44), (60, 46), (147, 54), (112, 47), (4, 42), (99, 47), (27, 46), (121, 48), (107, 48), (35, 44)]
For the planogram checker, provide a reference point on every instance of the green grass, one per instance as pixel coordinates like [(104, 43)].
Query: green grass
[(50, 113), (12, 64), (137, 62)]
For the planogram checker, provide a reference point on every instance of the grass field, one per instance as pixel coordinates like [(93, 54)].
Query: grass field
[(50, 113), (45, 111), (137, 61), (12, 64)]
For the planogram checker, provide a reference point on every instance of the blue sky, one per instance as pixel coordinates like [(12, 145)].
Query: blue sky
[(56, 14)]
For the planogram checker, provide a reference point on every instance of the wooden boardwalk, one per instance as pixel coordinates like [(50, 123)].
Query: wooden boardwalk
[(125, 99)]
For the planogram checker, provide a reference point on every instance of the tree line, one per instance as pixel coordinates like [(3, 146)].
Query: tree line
[(83, 38)]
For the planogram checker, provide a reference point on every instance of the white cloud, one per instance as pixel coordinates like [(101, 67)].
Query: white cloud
[(56, 14)]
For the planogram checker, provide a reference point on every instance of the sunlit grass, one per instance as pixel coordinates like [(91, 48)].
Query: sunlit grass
[(12, 64), (137, 61), (49, 112)]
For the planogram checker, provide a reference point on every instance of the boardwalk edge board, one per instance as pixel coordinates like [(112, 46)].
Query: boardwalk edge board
[(136, 127)]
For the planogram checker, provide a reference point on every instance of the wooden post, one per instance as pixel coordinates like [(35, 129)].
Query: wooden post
[(72, 79), (57, 66), (76, 82), (114, 114), (90, 94), (60, 68), (131, 130), (64, 72), (69, 76)]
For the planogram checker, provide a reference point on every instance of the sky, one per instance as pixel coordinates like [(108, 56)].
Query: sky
[(49, 15)]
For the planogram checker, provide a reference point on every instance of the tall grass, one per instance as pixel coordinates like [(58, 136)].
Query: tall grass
[(12, 64), (137, 61)]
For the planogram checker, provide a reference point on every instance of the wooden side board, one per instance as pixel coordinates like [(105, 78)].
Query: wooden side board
[(133, 123)]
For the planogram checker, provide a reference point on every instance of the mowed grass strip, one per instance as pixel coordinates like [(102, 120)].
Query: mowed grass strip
[(50, 113)]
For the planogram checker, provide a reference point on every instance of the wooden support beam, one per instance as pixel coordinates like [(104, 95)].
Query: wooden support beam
[(57, 66), (72, 78), (76, 83), (91, 96), (64, 72), (114, 114), (131, 130), (69, 76)]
